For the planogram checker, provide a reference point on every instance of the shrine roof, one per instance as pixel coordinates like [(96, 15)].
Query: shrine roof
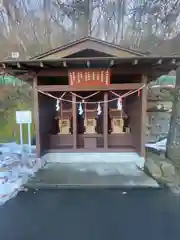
[(95, 44), (93, 53), (165, 62)]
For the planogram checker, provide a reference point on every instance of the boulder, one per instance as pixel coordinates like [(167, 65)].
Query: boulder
[(153, 168), (168, 169)]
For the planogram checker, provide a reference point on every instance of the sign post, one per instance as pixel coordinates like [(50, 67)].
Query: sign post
[(21, 137), (24, 117), (29, 137)]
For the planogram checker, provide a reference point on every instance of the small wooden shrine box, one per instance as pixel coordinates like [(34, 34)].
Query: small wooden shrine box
[(65, 122), (90, 121), (117, 121)]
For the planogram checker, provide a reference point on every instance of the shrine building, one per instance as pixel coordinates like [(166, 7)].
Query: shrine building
[(90, 96)]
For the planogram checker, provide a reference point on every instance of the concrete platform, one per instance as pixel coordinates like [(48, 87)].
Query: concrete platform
[(90, 157), (92, 170)]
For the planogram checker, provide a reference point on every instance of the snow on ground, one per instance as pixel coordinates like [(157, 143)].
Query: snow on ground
[(15, 169), (160, 145)]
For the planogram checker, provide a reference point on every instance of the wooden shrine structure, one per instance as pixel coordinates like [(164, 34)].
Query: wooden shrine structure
[(90, 96)]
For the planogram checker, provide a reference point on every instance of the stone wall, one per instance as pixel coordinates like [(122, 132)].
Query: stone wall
[(158, 113), (157, 125)]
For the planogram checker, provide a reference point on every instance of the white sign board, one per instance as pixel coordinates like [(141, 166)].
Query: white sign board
[(23, 117), (15, 54)]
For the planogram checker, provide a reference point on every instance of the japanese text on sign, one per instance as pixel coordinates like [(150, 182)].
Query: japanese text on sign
[(90, 77)]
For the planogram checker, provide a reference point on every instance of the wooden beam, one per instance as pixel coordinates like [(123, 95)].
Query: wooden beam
[(125, 69), (52, 73), (135, 62), (18, 65), (174, 61), (74, 122), (159, 61), (111, 63), (88, 64), (105, 125), (99, 59), (143, 115), (67, 88), (3, 65), (65, 64), (36, 116), (41, 64)]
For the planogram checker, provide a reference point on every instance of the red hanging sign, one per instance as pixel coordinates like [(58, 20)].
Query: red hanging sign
[(89, 77)]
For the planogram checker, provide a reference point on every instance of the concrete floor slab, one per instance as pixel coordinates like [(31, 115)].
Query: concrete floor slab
[(125, 174), (89, 157)]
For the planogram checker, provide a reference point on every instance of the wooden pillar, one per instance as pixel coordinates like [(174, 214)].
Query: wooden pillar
[(74, 122), (36, 116), (105, 125), (143, 116)]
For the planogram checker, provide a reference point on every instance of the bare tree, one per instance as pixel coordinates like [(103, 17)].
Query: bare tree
[(173, 141), (32, 27)]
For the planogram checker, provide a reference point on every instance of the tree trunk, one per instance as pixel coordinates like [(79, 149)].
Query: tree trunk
[(173, 141)]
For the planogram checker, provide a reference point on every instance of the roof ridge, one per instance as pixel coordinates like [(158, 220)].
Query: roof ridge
[(54, 50)]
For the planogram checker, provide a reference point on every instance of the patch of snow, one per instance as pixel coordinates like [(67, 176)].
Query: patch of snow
[(13, 147), (160, 145), (15, 169)]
